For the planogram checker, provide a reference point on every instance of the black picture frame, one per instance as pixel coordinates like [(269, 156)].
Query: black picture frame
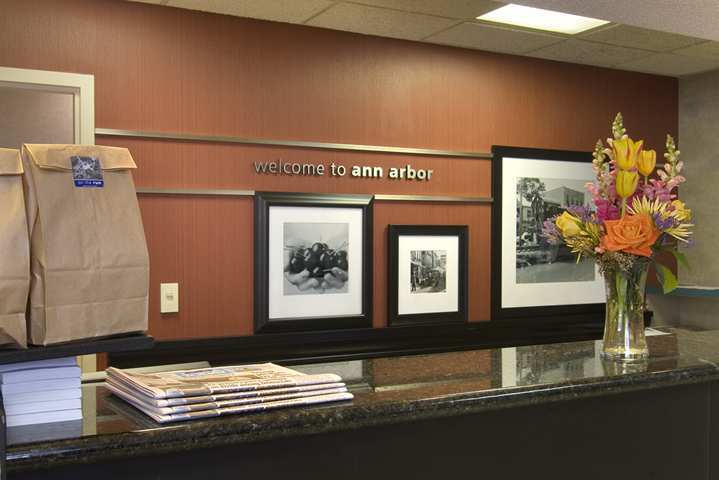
[(557, 313), (264, 201), (394, 318)]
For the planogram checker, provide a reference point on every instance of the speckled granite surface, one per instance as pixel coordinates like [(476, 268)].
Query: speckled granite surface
[(387, 390)]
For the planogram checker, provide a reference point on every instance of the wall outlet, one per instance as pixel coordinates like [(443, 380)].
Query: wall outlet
[(169, 297)]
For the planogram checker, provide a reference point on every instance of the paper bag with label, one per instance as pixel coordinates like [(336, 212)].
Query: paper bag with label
[(89, 261), (14, 252)]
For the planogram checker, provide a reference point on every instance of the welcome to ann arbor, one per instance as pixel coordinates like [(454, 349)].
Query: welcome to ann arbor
[(281, 167)]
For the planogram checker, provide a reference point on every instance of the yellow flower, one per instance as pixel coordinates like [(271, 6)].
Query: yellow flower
[(626, 183), (681, 212), (644, 206), (621, 151), (626, 152), (646, 162), (568, 224)]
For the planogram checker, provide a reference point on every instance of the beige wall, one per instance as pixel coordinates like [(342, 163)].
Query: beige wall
[(699, 145), (35, 116)]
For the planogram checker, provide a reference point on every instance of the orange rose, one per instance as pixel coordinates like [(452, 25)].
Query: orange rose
[(631, 234)]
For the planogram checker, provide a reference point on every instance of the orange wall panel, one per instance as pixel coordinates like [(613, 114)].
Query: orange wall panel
[(204, 244), (171, 70), (159, 68)]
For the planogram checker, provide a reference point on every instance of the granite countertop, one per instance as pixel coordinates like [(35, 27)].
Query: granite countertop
[(387, 390)]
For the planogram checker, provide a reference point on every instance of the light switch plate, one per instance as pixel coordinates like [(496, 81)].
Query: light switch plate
[(169, 297)]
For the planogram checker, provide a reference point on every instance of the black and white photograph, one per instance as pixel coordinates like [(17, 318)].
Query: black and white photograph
[(428, 271), (530, 277), (86, 168), (316, 258), (313, 255), (537, 261), (428, 267)]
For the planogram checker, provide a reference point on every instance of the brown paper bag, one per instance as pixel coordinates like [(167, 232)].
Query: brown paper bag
[(89, 261), (14, 252)]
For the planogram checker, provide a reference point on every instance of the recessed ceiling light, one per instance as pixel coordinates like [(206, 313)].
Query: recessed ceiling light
[(541, 19)]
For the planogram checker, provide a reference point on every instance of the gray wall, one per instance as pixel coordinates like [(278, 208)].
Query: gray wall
[(699, 146)]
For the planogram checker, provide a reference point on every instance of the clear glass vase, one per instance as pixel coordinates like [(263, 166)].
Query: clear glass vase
[(624, 338)]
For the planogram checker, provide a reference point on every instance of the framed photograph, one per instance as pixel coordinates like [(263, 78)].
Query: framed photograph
[(427, 274), (531, 278), (313, 257)]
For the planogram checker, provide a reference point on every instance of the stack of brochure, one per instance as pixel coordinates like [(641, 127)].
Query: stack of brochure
[(41, 391), (211, 392)]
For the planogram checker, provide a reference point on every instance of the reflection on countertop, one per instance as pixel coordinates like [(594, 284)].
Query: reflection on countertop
[(387, 390)]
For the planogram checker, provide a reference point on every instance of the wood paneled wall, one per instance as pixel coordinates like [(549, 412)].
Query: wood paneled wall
[(171, 70), (174, 164)]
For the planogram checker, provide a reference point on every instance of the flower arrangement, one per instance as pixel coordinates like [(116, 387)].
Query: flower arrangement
[(636, 212)]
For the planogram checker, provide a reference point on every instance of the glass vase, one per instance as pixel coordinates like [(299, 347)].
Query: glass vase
[(624, 338)]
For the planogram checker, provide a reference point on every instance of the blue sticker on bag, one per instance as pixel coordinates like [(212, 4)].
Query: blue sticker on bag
[(87, 172)]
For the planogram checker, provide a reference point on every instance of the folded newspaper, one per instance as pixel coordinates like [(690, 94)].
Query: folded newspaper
[(222, 397), (210, 392)]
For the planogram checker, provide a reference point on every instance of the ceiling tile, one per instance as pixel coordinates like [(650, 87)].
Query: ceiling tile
[(459, 9), (696, 18), (494, 39), (292, 11), (702, 50), (671, 64), (379, 21), (588, 53), (635, 37)]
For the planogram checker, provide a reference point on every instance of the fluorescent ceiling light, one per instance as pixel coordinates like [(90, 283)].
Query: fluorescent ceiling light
[(541, 19)]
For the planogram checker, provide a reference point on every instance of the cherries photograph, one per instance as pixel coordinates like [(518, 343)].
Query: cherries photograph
[(316, 267), (313, 257)]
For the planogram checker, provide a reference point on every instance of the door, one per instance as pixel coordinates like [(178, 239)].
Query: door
[(38, 106)]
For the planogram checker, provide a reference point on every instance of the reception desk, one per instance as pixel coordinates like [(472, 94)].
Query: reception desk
[(549, 411)]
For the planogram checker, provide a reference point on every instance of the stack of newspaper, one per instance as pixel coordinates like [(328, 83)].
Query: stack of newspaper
[(211, 392)]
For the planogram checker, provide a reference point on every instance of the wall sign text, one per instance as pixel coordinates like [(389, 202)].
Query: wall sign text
[(281, 167)]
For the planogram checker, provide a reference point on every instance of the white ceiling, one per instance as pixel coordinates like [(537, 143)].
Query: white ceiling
[(684, 46), (695, 18)]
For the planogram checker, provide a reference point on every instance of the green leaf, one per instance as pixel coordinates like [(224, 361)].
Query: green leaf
[(666, 278), (681, 259)]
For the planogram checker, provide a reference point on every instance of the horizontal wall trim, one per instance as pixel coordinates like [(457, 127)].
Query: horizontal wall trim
[(432, 198), (249, 193), (186, 137), (196, 191)]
